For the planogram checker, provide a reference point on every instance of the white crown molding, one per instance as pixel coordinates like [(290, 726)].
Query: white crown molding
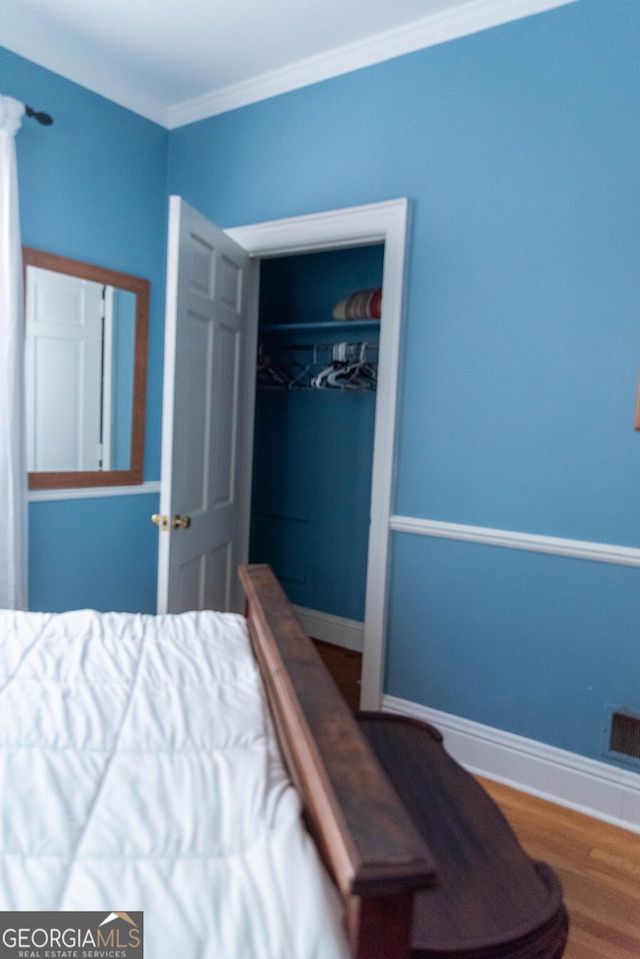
[(92, 492), (595, 788), (531, 542), (459, 21)]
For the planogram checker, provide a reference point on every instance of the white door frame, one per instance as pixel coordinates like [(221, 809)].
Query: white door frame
[(359, 226)]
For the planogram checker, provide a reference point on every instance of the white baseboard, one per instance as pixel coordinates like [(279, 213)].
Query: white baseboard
[(348, 633), (596, 788)]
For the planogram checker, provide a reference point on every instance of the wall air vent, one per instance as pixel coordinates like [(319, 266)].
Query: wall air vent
[(624, 735)]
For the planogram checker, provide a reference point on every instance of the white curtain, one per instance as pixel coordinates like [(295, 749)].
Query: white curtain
[(13, 472)]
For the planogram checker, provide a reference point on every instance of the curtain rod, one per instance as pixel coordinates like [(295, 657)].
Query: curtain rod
[(42, 118)]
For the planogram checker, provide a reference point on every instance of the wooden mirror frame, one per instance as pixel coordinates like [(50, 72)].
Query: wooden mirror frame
[(141, 288)]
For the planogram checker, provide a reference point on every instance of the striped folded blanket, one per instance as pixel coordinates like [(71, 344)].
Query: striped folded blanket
[(363, 305)]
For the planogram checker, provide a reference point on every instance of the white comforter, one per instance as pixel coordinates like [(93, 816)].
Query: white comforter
[(138, 771)]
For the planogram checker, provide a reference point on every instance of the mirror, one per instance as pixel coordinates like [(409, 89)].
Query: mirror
[(85, 372)]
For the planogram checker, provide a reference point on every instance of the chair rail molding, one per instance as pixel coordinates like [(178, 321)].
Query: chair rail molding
[(510, 539)]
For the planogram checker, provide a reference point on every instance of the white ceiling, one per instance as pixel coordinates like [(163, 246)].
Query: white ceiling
[(175, 61)]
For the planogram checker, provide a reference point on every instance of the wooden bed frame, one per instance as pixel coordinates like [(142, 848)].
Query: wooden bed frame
[(365, 836)]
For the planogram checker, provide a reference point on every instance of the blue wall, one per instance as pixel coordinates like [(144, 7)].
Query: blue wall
[(93, 187), (520, 149)]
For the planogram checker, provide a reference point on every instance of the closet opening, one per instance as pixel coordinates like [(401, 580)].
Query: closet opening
[(318, 350)]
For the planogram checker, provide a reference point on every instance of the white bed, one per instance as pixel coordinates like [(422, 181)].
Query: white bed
[(140, 771)]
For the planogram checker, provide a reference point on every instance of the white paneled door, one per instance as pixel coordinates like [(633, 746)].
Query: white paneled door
[(208, 408), (63, 358)]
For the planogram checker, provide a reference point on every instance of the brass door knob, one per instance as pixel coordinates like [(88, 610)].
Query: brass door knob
[(182, 522)]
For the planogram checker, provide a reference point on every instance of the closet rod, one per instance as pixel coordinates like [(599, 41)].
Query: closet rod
[(281, 347)]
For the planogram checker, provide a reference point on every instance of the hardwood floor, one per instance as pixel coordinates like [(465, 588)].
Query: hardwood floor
[(345, 666), (598, 864)]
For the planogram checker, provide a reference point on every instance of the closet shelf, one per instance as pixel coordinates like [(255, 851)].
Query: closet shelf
[(322, 325)]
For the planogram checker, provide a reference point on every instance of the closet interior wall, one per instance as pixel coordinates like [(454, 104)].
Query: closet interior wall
[(314, 446)]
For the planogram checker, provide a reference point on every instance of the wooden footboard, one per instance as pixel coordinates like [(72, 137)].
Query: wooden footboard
[(365, 836)]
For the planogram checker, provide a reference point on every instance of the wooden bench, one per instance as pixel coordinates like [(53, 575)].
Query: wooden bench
[(491, 901), (426, 865)]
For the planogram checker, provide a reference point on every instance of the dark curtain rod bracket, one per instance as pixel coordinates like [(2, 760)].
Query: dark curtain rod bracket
[(42, 118)]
